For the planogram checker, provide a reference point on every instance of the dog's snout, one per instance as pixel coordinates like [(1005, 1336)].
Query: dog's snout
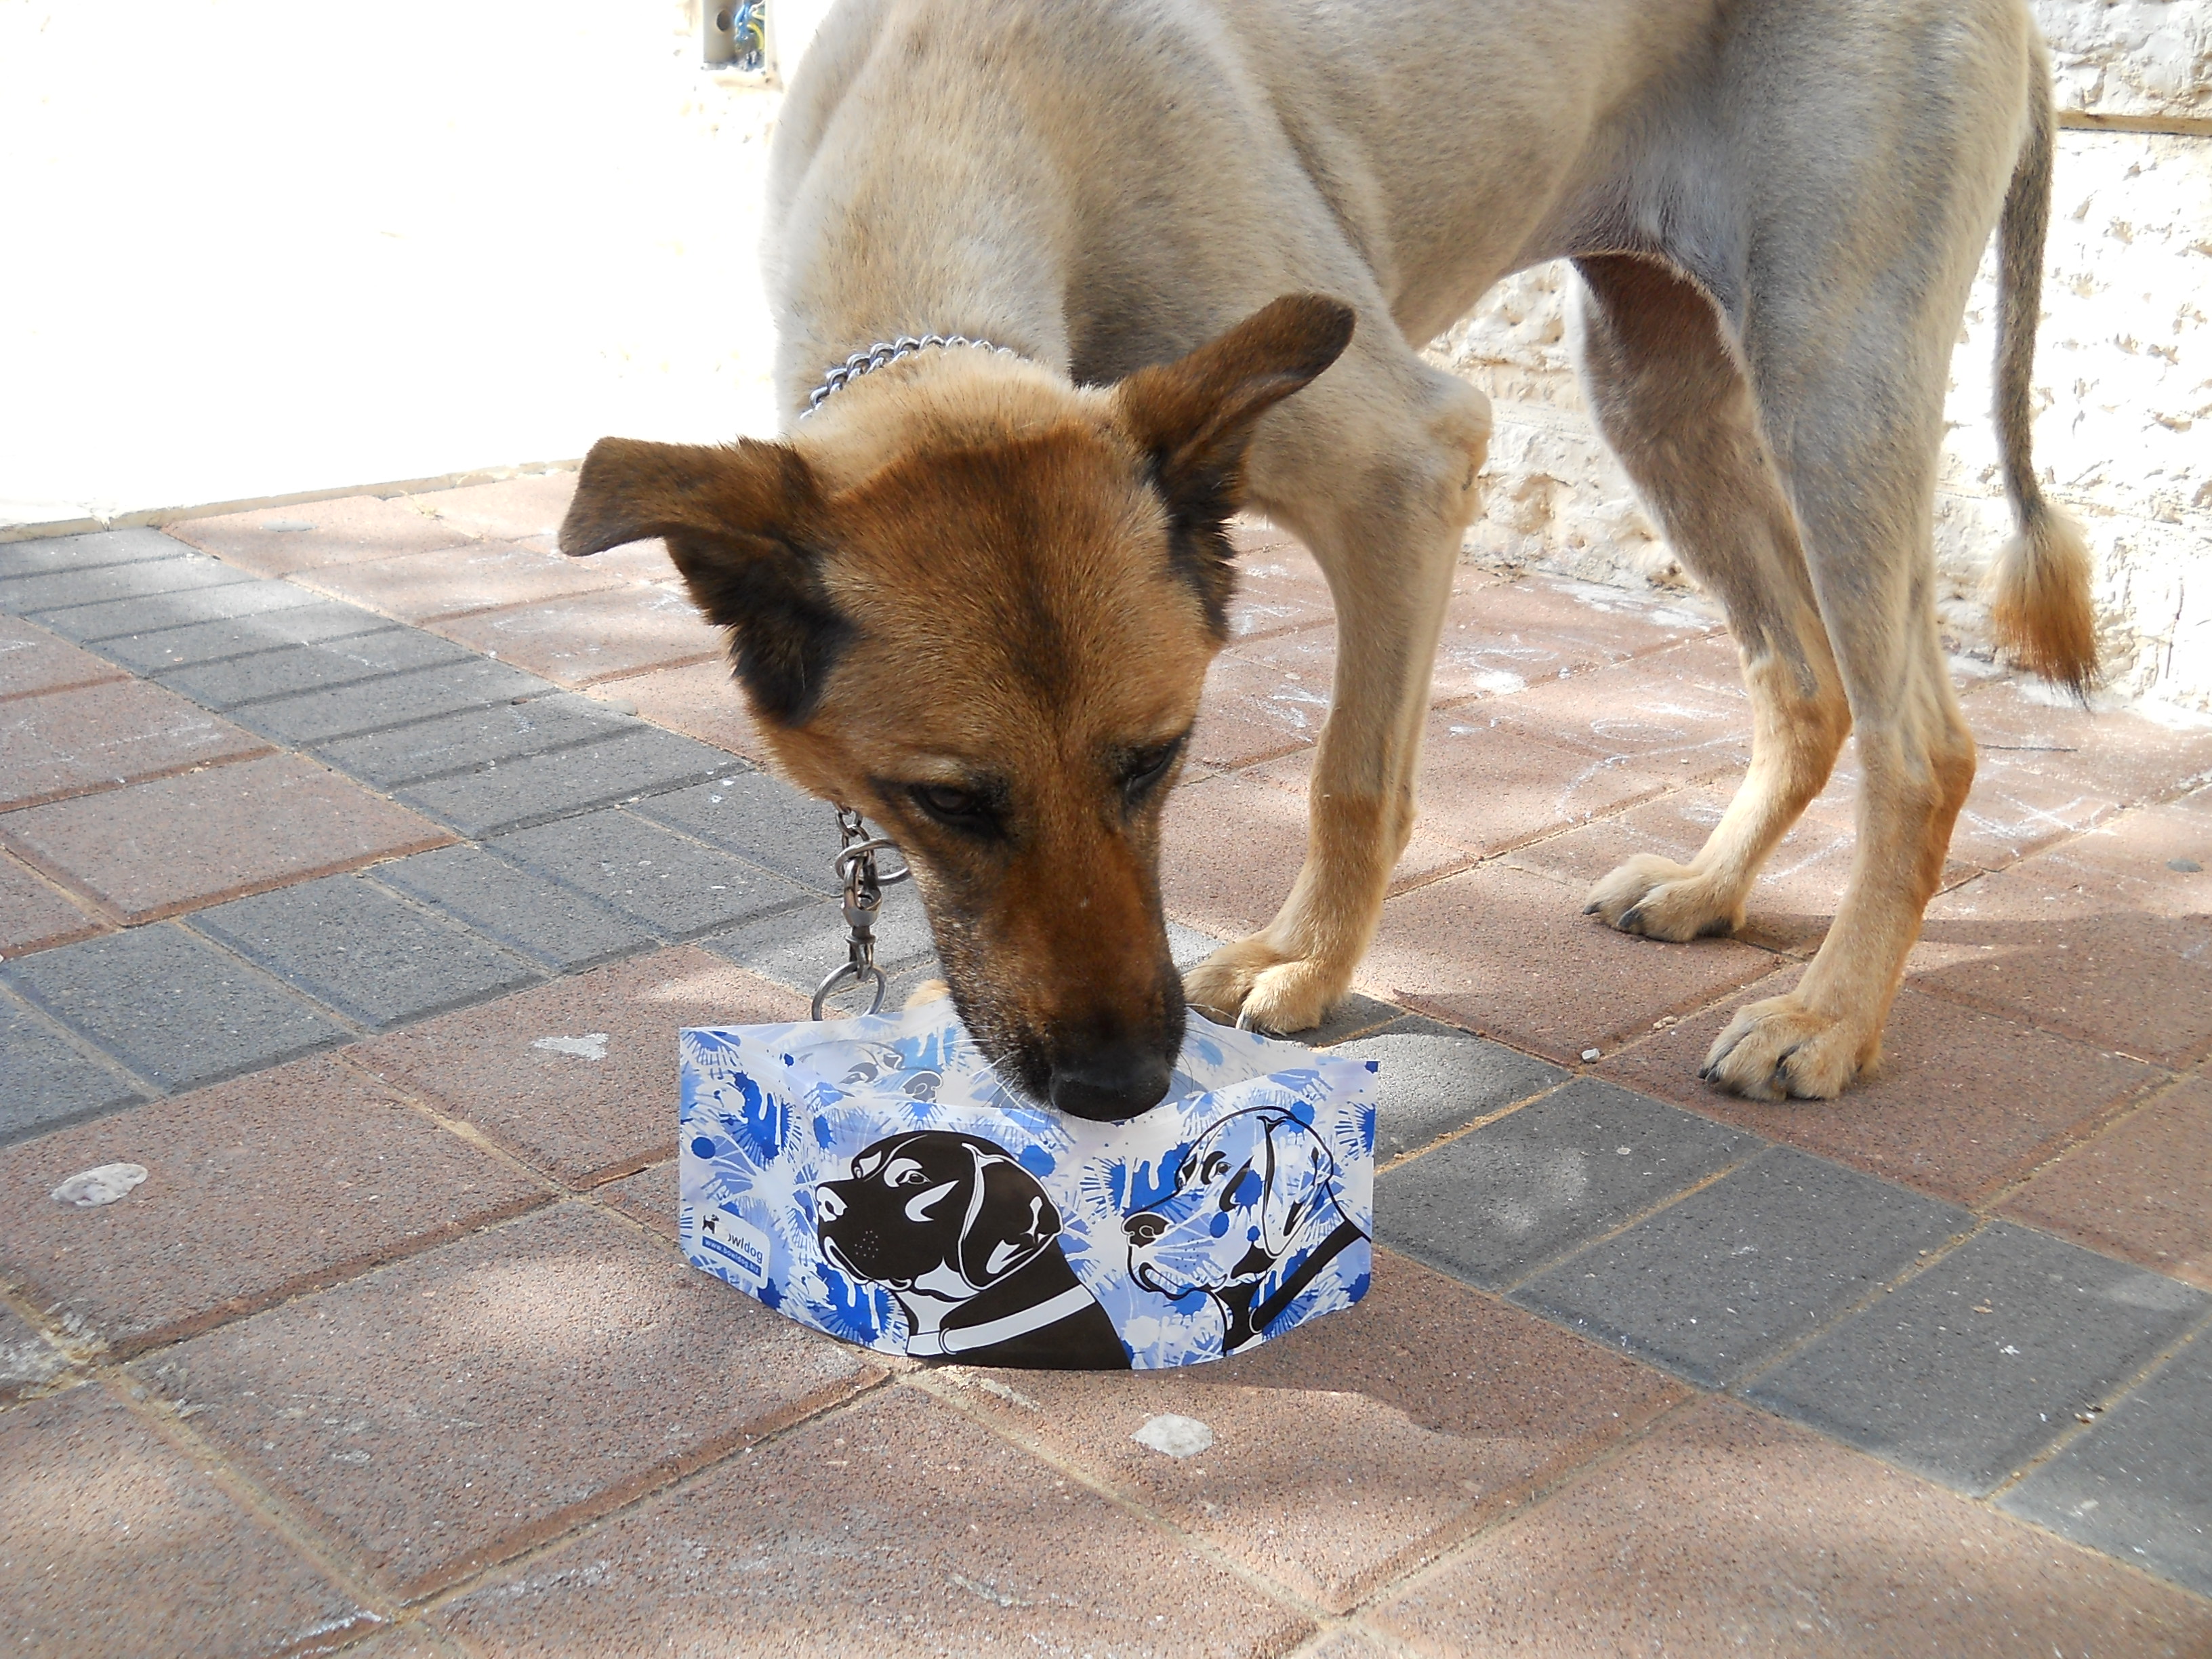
[(827, 1204), (1144, 1227), (1110, 1084)]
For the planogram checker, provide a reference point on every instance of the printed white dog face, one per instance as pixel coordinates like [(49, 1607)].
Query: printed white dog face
[(1254, 1215)]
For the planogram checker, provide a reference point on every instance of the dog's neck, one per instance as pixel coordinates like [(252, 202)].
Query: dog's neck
[(1323, 1234)]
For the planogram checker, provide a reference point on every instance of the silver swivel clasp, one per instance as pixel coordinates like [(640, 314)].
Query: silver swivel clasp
[(864, 885)]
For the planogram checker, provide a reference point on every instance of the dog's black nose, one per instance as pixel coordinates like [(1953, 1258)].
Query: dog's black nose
[(1144, 1227), (1109, 1085)]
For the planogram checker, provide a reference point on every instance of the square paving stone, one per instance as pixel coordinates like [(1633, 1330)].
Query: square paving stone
[(294, 669), (584, 1119), (34, 660), (46, 555), (34, 914), (275, 541), (1946, 1111), (451, 1410), (174, 844), (762, 818), (68, 743), (676, 887), (344, 711), (1434, 1079), (172, 1008), (113, 1544), (1716, 1286), (520, 909), (474, 739), (512, 794), (1346, 1453), (1725, 1531), (46, 1081), (1495, 1205), (256, 1189), (898, 1526), (240, 636), (43, 594), (798, 946), (2139, 1483), (2137, 1189), (140, 616), (372, 956), (1966, 1372), (1511, 955)]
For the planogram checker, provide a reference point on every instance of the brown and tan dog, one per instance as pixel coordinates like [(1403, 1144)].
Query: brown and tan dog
[(974, 593)]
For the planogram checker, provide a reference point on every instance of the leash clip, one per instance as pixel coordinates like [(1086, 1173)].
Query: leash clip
[(864, 885)]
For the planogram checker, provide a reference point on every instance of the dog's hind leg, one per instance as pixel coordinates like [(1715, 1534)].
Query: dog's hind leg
[(1672, 403), (1374, 467)]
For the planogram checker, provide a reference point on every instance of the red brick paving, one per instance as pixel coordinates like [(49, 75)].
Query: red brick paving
[(510, 510), (255, 1189), (158, 849), (1946, 1112), (1350, 1451), (445, 1412), (96, 736), (584, 1121), (422, 587), (1725, 1531), (355, 530), (594, 636), (35, 914), (33, 660), (896, 1527), (1511, 955), (647, 1198), (2138, 1190), (700, 701), (114, 1543)]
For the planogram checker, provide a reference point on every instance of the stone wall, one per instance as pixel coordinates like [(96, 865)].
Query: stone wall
[(2123, 381)]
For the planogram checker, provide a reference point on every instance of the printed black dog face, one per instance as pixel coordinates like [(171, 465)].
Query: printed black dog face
[(1253, 1220), (964, 1238)]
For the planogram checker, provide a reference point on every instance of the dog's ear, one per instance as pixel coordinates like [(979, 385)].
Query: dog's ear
[(1014, 1221), (1194, 419), (1299, 1167), (742, 523)]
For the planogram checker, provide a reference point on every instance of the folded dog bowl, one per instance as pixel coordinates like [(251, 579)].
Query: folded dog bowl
[(870, 1177)]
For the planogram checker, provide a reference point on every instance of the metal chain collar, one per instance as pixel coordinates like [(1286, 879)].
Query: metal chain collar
[(864, 885), (881, 355)]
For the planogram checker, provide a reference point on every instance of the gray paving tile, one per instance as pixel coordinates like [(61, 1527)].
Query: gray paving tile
[(2139, 1483), (320, 717), (520, 909), (1188, 947), (1971, 1370), (299, 668), (45, 1082), (1355, 1014), (238, 637), (45, 554), (679, 889), (374, 957), (1494, 1205), (54, 591), (150, 613), (1434, 1079), (1716, 1286), (759, 817), (797, 947), (172, 1007), (511, 795), (475, 738)]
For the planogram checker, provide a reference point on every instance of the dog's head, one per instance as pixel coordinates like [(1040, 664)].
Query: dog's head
[(979, 605), (947, 1214), (1242, 1194)]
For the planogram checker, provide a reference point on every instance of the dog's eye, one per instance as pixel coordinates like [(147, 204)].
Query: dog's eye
[(955, 808), (905, 1173), (1147, 767)]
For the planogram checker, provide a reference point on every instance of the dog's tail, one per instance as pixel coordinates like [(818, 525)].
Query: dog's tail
[(2039, 602)]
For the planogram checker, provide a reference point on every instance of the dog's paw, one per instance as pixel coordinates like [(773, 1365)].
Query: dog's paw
[(1779, 1048), (928, 990), (1662, 899), (1251, 983)]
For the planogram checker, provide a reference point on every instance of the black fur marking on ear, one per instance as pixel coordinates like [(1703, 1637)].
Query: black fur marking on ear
[(785, 634), (1198, 548)]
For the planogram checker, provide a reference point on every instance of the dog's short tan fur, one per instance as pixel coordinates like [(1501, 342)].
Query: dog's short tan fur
[(993, 583)]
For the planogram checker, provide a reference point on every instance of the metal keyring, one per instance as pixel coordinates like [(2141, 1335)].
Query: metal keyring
[(858, 973), (864, 885)]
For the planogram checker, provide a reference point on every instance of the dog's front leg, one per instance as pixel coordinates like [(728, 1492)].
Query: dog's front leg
[(1378, 475)]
